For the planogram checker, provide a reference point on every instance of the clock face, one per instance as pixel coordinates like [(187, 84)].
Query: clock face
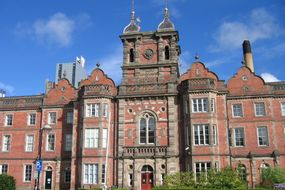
[(148, 53)]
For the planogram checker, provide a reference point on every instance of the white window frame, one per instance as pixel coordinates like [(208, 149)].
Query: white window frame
[(91, 138), (104, 138), (204, 105), (258, 136), (235, 142), (256, 106), (6, 144), (92, 110), (30, 173), (282, 105), (240, 113), (52, 118), (9, 120), (202, 166), (69, 117), (68, 142), (47, 142), (205, 139), (90, 173), (2, 166), (29, 145), (32, 119)]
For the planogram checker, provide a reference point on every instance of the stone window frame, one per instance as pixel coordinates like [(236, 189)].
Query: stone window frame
[(27, 143), (25, 169), (234, 136), (258, 136), (50, 119), (95, 172), (206, 168), (204, 105), (2, 168), (96, 143), (241, 113), (10, 143), (9, 121), (47, 142), (29, 119), (203, 125), (140, 116), (257, 109)]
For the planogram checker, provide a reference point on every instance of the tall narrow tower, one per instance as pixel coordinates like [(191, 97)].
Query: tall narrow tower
[(148, 121)]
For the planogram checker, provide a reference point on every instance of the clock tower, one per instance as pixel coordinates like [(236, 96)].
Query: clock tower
[(147, 105)]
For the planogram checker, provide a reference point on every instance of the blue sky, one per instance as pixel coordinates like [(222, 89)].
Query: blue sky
[(36, 35)]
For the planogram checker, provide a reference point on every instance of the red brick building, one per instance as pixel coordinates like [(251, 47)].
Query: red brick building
[(154, 123)]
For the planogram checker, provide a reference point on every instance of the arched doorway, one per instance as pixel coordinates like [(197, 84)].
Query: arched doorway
[(146, 177), (48, 180)]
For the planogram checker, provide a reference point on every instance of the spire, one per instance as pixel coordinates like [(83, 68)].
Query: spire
[(166, 24), (132, 27)]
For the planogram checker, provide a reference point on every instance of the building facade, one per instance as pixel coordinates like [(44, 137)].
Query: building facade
[(156, 122), (74, 72)]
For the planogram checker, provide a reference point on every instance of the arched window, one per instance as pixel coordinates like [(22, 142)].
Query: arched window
[(147, 129), (132, 55), (242, 172), (166, 52)]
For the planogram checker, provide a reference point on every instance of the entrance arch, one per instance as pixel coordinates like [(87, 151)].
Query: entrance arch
[(146, 177)]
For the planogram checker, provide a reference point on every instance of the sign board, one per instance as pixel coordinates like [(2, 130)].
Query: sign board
[(39, 165)]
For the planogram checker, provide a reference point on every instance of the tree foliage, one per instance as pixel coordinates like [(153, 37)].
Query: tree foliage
[(273, 175), (7, 182)]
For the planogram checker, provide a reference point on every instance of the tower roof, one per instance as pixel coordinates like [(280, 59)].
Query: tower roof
[(133, 26), (166, 24)]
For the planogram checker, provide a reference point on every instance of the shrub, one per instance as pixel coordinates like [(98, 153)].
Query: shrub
[(183, 179), (271, 176), (7, 182)]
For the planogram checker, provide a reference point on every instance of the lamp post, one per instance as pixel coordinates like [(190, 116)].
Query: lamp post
[(39, 158)]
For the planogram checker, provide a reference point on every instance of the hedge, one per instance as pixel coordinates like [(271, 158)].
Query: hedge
[(7, 182)]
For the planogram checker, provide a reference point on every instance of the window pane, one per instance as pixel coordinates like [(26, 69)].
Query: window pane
[(239, 137), (151, 130), (237, 110), (104, 138), (259, 109), (9, 120), (29, 143), (69, 117), (262, 136), (142, 130)]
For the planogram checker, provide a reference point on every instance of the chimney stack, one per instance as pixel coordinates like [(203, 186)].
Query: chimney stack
[(247, 55)]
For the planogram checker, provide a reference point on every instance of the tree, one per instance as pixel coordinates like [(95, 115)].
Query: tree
[(271, 176), (7, 182)]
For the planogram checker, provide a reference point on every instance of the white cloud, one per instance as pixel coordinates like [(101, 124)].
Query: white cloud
[(8, 88), (56, 30), (268, 77), (259, 25)]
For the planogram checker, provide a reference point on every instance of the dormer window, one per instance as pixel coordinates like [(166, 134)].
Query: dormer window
[(132, 55), (166, 53)]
